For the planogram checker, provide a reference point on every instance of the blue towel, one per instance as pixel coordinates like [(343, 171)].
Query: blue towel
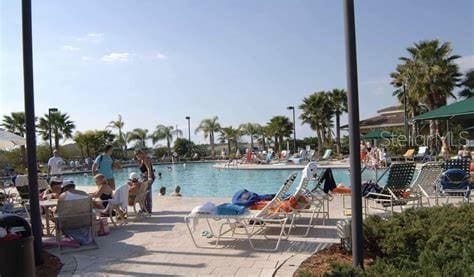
[(230, 209)]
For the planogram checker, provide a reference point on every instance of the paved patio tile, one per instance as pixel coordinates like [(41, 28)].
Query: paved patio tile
[(161, 245)]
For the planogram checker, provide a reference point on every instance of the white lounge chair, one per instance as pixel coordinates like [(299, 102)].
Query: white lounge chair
[(117, 207), (252, 222), (427, 181)]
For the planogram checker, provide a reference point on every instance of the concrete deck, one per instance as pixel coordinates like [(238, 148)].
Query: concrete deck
[(161, 245), (282, 166)]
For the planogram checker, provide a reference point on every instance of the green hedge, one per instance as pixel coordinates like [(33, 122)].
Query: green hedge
[(436, 241)]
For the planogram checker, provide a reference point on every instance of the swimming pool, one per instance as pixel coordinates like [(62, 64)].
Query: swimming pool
[(201, 179)]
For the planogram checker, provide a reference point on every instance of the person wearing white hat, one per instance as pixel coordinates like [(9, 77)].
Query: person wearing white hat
[(133, 187)]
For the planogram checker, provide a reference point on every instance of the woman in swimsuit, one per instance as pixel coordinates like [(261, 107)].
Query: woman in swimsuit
[(104, 192), (148, 174)]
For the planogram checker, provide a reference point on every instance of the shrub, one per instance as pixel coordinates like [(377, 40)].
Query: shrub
[(436, 241)]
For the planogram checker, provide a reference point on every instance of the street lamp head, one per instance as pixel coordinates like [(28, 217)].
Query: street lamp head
[(53, 110), (290, 108), (188, 118)]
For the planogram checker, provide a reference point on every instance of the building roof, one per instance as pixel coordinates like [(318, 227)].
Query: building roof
[(393, 119), (391, 109)]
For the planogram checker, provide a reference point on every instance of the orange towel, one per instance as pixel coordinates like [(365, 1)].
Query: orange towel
[(341, 190)]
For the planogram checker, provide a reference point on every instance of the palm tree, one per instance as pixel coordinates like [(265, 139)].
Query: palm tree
[(428, 74), (338, 98), (139, 136), (60, 124), (16, 123), (232, 136), (209, 127), (280, 127), (317, 113), (468, 85), (165, 132), (251, 130), (91, 142), (262, 133), (118, 125)]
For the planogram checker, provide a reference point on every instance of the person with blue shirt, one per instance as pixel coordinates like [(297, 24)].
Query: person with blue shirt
[(104, 165)]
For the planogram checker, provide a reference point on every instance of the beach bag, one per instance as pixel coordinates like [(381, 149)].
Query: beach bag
[(230, 209), (245, 198), (102, 227)]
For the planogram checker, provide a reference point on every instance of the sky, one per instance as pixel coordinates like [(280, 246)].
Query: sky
[(155, 62)]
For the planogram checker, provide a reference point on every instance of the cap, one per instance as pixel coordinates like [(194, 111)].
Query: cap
[(133, 176)]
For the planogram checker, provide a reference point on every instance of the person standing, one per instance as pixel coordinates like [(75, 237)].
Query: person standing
[(55, 164), (148, 174), (104, 165)]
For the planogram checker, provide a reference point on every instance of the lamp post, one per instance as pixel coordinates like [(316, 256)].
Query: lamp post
[(354, 132), (188, 118), (405, 102), (50, 110), (35, 215), (294, 127)]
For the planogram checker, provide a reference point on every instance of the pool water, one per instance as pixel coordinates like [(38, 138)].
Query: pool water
[(201, 179)]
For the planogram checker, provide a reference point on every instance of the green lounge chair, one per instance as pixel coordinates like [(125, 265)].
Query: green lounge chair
[(327, 154), (396, 191), (427, 181)]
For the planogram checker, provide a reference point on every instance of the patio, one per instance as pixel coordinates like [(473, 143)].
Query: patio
[(161, 245)]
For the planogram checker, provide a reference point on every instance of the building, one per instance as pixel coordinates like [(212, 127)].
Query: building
[(387, 118)]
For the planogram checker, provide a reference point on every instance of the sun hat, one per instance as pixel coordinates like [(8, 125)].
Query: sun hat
[(68, 183), (56, 180), (133, 176)]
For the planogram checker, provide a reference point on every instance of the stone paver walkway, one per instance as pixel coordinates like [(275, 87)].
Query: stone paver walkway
[(161, 246)]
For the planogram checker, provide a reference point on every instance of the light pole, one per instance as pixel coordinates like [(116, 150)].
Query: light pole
[(50, 110), (35, 214), (188, 118), (354, 133), (294, 127), (405, 102)]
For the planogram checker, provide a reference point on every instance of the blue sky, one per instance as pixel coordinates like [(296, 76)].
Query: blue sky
[(158, 61)]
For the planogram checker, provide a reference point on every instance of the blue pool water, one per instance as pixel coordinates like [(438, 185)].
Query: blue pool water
[(201, 179)]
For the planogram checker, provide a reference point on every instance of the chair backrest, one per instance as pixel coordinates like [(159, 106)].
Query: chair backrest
[(21, 181), (463, 164), (120, 196), (268, 209), (399, 177), (74, 214), (422, 150), (428, 177), (327, 154), (307, 174), (409, 153), (24, 192)]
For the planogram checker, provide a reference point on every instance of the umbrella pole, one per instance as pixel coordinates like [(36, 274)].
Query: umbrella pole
[(30, 129)]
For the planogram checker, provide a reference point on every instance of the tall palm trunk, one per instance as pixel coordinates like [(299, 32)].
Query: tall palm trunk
[(24, 160), (211, 140), (263, 143), (168, 144), (338, 135), (229, 149), (277, 145), (56, 139), (251, 142), (320, 141)]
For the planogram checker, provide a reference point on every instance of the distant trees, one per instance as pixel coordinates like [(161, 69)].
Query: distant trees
[(167, 133), (279, 127), (427, 75), (251, 130), (61, 125), (467, 85), (231, 136), (15, 123), (209, 127), (139, 136), (120, 139), (92, 142)]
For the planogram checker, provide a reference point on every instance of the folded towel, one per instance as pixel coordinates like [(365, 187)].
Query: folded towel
[(230, 209), (206, 208)]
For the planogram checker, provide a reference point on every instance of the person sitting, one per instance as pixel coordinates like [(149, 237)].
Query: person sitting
[(133, 187), (177, 191), (104, 192), (69, 192), (54, 189), (162, 191)]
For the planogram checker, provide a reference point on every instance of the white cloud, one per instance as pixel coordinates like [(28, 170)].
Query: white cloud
[(116, 57), (91, 37), (161, 56), (85, 58), (465, 63), (70, 48)]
